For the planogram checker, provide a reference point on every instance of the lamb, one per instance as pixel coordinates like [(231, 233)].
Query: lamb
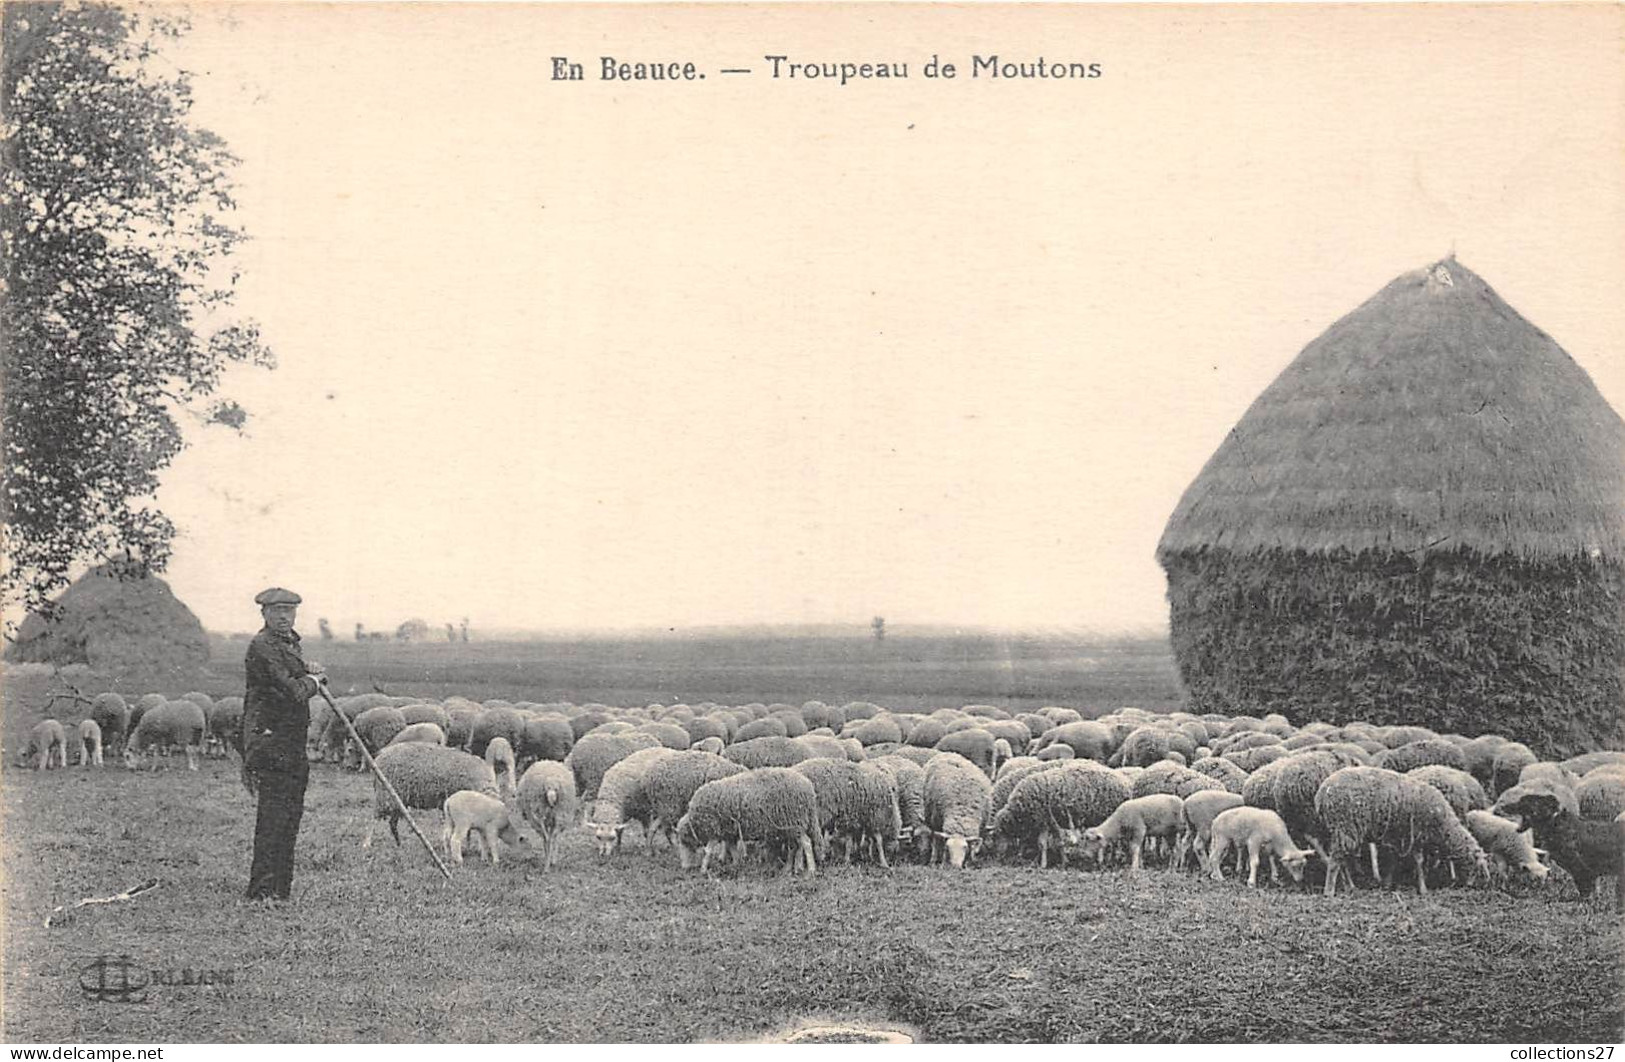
[(956, 801), (427, 733), (424, 776), (1159, 815), (112, 715), (1053, 801), (171, 723), (499, 754), (623, 798), (49, 742), (673, 781), (88, 743), (856, 802), (773, 805), (547, 800), (973, 743), (1373, 805), (1288, 787), (1261, 832), (1505, 844), (1587, 850), (485, 816), (1200, 809), (594, 754)]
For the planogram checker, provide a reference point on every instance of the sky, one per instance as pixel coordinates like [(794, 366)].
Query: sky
[(741, 350)]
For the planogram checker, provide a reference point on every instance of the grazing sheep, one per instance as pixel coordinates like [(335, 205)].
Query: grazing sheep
[(973, 743), (1288, 787), (1228, 774), (1261, 832), (376, 727), (1059, 716), (757, 728), (1506, 844), (1510, 760), (673, 780), (856, 803), (485, 816), (1601, 794), (171, 723), (503, 722), (112, 715), (1252, 759), (1564, 795), (1088, 739), (1134, 820), (1012, 732), (670, 735), (144, 704), (1373, 805), (624, 798), (816, 714), (1460, 789), (1396, 736), (426, 713), (701, 727), (547, 800), (1585, 763), (1058, 752), (1587, 850), (770, 805), (428, 733), (712, 745), (546, 737), (1546, 772), (1052, 812), (225, 721), (88, 743), (424, 776), (594, 754), (1200, 809), (773, 751), (927, 732), (499, 754), (956, 801), (914, 753), (1413, 754), (794, 725), (910, 779)]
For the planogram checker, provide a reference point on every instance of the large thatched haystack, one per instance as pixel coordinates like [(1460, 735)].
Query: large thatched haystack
[(1421, 520), (119, 627)]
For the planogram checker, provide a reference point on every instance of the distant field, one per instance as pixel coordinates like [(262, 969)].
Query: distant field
[(375, 947)]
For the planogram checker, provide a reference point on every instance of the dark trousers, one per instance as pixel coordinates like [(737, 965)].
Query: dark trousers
[(282, 779)]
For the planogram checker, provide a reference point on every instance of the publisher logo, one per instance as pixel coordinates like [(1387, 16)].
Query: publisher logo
[(114, 979)]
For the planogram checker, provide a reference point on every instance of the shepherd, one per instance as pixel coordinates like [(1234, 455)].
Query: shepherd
[(276, 714)]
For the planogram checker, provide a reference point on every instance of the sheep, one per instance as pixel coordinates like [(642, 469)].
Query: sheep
[(1554, 774), (1052, 801), (1564, 795), (1505, 844), (712, 745), (1228, 774), (1413, 754), (856, 802), (504, 722), (1587, 850), (1058, 752), (376, 726), (49, 742), (910, 779), (1373, 805), (670, 735), (1199, 810), (1012, 732), (1158, 815), (1059, 716), (88, 743), (822, 745), (1252, 759), (701, 727), (1601, 794), (816, 714), (1510, 760), (426, 713), (485, 816), (226, 724), (771, 751), (761, 728), (171, 723), (547, 800), (1460, 789), (1088, 739), (428, 733), (1261, 832), (927, 732), (144, 704), (773, 805), (973, 743), (623, 798), (424, 776), (112, 715), (1167, 776), (546, 736), (860, 710), (1288, 787), (914, 754), (1585, 763), (794, 725), (1148, 744), (878, 730), (672, 781), (460, 729), (956, 802), (499, 754), (594, 754)]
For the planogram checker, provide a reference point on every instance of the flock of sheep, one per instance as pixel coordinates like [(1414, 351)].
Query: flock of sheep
[(953, 786)]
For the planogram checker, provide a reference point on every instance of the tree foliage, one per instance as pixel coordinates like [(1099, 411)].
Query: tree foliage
[(116, 317)]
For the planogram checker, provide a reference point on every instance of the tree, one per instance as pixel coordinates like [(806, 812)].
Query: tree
[(116, 315), (878, 626)]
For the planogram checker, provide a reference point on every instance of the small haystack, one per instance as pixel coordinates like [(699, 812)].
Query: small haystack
[(1422, 520), (118, 627)]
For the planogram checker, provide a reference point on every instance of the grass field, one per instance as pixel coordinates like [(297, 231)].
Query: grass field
[(375, 947)]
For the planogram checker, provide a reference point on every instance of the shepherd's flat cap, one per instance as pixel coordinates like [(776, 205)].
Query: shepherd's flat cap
[(276, 596)]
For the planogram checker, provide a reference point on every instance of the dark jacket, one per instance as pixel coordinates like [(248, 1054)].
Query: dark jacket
[(279, 691)]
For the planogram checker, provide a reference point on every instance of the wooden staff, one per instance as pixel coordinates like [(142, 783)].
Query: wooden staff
[(389, 787)]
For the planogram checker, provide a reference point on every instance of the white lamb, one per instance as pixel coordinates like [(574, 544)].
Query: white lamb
[(499, 755), (1261, 832), (1158, 815), (488, 818), (89, 743)]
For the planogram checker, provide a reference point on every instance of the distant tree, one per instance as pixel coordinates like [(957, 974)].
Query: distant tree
[(327, 632), (116, 305), (465, 628), (360, 633), (878, 625), (413, 630), (451, 633)]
